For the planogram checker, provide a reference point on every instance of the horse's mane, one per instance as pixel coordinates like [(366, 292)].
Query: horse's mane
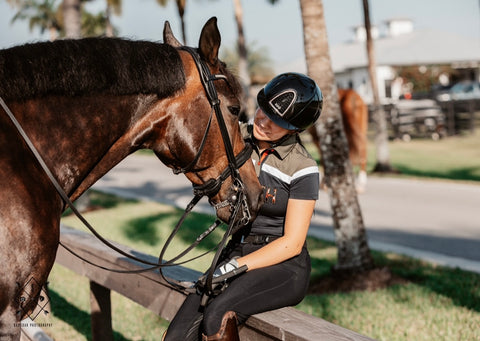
[(88, 66)]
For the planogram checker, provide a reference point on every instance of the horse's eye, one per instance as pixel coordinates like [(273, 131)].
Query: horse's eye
[(235, 110)]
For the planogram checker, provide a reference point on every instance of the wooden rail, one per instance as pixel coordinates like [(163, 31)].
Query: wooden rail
[(149, 290)]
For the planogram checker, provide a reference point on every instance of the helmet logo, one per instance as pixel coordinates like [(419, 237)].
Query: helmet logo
[(282, 102)]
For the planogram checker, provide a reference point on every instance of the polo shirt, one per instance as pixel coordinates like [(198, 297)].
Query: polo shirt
[(286, 171)]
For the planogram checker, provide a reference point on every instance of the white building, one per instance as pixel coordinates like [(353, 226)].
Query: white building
[(400, 45)]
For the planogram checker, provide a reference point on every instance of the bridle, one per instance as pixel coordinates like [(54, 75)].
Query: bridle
[(237, 201), (212, 186)]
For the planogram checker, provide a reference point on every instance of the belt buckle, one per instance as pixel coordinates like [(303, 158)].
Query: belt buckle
[(259, 239)]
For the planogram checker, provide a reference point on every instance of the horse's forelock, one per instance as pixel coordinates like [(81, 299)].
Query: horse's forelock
[(90, 66)]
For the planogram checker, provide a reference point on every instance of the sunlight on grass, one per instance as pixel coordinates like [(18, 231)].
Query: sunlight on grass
[(455, 158), (436, 304)]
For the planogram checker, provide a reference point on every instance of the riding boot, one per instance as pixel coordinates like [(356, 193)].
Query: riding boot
[(228, 329)]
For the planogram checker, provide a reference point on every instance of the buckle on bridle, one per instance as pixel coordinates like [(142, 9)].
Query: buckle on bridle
[(237, 199)]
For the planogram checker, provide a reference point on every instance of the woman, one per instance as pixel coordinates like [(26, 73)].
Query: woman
[(273, 247)]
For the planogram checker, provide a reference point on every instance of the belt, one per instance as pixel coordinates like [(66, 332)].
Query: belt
[(259, 239)]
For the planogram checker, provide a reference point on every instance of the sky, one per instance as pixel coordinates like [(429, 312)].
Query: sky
[(277, 28)]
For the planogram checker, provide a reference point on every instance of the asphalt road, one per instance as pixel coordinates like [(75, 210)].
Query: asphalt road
[(438, 221)]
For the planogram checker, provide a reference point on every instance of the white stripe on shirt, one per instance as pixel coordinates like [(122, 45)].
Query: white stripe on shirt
[(287, 178)]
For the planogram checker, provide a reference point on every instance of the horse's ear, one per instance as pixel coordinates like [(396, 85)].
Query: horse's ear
[(168, 37), (209, 42)]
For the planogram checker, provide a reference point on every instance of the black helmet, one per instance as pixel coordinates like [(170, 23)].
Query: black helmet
[(291, 100)]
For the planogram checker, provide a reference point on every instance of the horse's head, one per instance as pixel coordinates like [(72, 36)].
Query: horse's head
[(216, 162)]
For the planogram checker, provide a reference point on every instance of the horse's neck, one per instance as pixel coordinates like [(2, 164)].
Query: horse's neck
[(81, 139)]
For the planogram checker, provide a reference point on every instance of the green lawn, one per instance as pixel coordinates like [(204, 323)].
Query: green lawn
[(434, 304), (455, 158)]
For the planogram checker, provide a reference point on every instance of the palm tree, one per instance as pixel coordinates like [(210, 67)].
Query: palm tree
[(181, 4), (243, 60), (350, 236), (94, 25), (381, 138), (243, 73), (43, 15), (258, 60), (72, 18), (116, 7)]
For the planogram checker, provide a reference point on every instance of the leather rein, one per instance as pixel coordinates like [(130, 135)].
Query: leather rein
[(237, 202)]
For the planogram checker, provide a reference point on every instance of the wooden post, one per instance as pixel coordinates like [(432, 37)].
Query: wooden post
[(471, 111), (450, 119), (101, 313)]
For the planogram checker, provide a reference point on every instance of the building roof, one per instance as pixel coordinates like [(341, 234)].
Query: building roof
[(417, 47)]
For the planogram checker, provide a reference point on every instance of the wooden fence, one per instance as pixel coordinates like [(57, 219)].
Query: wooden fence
[(150, 290)]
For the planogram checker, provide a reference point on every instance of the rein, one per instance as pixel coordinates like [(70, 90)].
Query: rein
[(211, 187)]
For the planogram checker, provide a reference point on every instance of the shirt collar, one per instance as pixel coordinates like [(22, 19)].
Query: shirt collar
[(282, 149)]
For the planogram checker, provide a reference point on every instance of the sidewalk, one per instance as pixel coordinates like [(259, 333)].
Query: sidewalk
[(438, 221)]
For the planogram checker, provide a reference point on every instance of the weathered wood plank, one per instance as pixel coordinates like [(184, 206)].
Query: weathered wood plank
[(150, 290)]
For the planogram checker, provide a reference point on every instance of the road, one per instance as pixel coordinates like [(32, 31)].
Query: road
[(438, 221)]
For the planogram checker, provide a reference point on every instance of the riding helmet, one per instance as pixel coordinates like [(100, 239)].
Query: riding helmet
[(291, 100)]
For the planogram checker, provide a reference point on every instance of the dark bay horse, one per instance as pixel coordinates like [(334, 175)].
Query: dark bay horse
[(86, 104), (355, 123)]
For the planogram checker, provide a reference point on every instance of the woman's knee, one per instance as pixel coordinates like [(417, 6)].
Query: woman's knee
[(212, 319)]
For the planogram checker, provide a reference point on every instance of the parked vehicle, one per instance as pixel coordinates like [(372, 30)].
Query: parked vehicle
[(461, 91), (417, 118)]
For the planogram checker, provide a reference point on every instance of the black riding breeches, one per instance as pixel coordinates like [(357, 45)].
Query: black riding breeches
[(253, 292)]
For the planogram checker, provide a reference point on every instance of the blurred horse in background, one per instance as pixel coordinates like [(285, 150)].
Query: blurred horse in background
[(355, 123)]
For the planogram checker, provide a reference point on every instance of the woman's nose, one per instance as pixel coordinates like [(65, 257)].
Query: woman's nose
[(262, 118)]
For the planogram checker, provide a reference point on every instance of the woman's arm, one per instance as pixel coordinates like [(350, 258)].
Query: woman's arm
[(297, 221)]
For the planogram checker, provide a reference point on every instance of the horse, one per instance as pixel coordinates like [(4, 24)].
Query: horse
[(355, 123), (85, 105)]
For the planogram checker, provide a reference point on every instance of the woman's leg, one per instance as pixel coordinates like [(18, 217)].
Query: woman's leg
[(187, 321), (256, 291)]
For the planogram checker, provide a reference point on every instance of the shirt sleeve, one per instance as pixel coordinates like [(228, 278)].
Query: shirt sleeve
[(305, 184)]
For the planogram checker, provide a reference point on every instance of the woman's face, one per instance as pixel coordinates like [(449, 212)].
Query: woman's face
[(264, 129)]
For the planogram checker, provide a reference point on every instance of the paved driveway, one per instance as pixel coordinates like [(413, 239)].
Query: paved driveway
[(433, 220)]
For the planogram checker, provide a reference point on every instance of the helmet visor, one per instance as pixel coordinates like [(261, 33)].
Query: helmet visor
[(277, 107)]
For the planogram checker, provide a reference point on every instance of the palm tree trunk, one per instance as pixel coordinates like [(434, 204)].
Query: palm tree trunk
[(72, 18), (243, 73), (181, 13), (381, 134), (350, 235), (53, 33), (108, 24)]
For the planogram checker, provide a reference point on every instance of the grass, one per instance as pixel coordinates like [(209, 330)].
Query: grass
[(453, 158), (436, 304)]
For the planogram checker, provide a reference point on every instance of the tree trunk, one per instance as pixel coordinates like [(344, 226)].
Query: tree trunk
[(350, 236), (72, 15), (181, 13), (381, 134), (53, 33), (243, 72), (108, 25)]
